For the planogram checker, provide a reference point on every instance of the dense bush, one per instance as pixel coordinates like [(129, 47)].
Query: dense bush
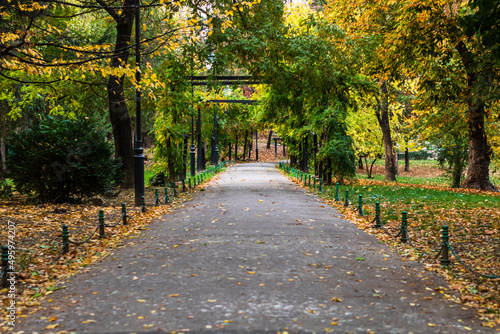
[(61, 160), (5, 190)]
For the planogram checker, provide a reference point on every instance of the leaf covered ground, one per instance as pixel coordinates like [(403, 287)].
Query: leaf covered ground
[(39, 262)]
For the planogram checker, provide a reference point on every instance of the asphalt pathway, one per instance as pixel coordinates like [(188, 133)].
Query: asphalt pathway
[(253, 252)]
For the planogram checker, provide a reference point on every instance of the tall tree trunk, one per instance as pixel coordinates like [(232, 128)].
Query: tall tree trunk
[(236, 148), (245, 145), (478, 172), (250, 148), (305, 155), (118, 111), (360, 162), (3, 156), (383, 120), (407, 160), (170, 163), (269, 138)]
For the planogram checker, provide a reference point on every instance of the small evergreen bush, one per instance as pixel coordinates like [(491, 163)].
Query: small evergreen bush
[(158, 180), (61, 160)]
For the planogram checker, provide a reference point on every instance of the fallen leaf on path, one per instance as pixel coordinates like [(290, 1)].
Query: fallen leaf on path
[(88, 321)]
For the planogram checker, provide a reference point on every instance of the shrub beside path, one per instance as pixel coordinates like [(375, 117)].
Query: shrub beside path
[(253, 252)]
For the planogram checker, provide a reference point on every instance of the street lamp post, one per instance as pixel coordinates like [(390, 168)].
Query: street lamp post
[(256, 145), (201, 154), (138, 157), (193, 150), (216, 147)]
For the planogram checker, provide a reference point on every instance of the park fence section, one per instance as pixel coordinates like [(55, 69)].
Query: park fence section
[(72, 236), (444, 250)]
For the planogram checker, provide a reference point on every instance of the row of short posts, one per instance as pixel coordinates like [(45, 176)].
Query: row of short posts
[(307, 179), (102, 225), (403, 232), (6, 269)]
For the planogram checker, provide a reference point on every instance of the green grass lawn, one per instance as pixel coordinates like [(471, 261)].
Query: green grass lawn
[(431, 204), (429, 181)]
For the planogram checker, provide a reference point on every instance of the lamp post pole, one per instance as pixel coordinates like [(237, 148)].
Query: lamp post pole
[(201, 156), (138, 157), (216, 147), (193, 150), (256, 145)]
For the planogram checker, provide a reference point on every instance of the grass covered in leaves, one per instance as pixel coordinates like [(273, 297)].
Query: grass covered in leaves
[(39, 263), (474, 222)]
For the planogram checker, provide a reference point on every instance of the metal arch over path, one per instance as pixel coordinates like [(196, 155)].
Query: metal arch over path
[(225, 80)]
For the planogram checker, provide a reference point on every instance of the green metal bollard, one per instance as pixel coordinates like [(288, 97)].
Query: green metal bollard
[(360, 206), (314, 181), (65, 239), (157, 197), (124, 214), (320, 184), (143, 204), (445, 256), (183, 185), (346, 203), (378, 221), (309, 180), (167, 200), (101, 224), (404, 224), (337, 194), (5, 266)]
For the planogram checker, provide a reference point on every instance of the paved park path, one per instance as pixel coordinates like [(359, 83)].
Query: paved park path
[(253, 252)]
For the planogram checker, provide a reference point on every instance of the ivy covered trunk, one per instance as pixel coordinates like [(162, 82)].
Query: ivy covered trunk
[(478, 176), (383, 121), (118, 111)]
